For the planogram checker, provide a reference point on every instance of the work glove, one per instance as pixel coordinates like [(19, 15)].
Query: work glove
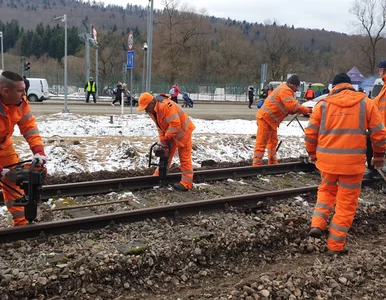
[(378, 162), (42, 159), (164, 142), (312, 158), (4, 171), (39, 155)]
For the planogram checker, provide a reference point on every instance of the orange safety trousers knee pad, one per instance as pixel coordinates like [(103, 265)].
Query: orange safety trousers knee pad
[(341, 192), (8, 156), (185, 155), (266, 137)]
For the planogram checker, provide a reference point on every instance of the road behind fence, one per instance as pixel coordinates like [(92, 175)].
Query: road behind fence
[(198, 89)]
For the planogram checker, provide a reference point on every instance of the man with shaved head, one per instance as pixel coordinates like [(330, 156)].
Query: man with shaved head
[(15, 110)]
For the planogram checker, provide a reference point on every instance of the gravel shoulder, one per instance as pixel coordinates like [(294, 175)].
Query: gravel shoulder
[(204, 257)]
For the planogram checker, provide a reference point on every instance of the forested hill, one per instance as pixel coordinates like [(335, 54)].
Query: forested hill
[(30, 13), (185, 43)]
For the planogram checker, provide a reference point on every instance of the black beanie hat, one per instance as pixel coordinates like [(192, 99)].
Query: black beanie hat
[(382, 64), (294, 79), (341, 78)]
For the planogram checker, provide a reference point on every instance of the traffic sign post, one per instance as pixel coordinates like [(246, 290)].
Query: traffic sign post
[(130, 60), (130, 65)]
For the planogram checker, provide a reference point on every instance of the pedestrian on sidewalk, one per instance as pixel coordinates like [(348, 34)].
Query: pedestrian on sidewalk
[(251, 95), (91, 89), (174, 91), (118, 94)]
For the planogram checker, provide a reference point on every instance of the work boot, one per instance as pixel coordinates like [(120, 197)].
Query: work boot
[(370, 174), (180, 187), (315, 232), (338, 253)]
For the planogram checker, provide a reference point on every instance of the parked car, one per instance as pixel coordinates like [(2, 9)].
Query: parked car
[(38, 90), (311, 104)]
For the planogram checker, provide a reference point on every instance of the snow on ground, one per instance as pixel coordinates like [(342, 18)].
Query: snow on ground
[(78, 143)]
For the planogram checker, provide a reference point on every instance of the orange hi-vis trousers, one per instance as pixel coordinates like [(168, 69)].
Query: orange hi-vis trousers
[(341, 191), (185, 155), (8, 156), (266, 137)]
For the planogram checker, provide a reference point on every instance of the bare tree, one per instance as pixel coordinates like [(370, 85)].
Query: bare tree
[(232, 57), (371, 15), (111, 56), (178, 36), (276, 51)]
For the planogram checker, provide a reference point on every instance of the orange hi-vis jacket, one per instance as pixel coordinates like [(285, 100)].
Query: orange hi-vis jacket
[(336, 132), (380, 101), (310, 93), (22, 116), (278, 105), (172, 122)]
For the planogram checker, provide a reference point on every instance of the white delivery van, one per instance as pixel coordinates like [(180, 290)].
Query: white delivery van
[(38, 90)]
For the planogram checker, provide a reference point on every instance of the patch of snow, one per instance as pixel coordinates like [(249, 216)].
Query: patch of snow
[(88, 143)]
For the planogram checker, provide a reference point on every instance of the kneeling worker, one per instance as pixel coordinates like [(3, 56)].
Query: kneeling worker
[(174, 129), (15, 110)]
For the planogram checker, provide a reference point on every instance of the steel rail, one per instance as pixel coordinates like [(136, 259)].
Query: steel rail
[(167, 211), (142, 182)]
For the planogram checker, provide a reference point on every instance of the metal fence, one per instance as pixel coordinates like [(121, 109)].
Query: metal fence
[(202, 89)]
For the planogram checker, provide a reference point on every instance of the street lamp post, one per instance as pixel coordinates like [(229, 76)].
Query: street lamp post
[(150, 44), (2, 51), (144, 66), (96, 67), (64, 19)]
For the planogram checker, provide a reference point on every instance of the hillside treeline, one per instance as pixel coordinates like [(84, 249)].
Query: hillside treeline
[(188, 45)]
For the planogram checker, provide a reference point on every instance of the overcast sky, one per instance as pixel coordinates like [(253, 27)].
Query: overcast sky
[(328, 14)]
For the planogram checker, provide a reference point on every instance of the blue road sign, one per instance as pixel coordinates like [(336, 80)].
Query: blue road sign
[(130, 60)]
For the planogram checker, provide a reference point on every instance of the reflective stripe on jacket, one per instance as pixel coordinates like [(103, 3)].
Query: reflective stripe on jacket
[(337, 131), (278, 105), (22, 116), (91, 88), (172, 121), (380, 101)]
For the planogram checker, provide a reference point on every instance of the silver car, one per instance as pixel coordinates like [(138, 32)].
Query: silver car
[(311, 104)]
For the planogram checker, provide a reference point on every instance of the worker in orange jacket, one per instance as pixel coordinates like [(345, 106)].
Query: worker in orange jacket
[(15, 110), (380, 102), (309, 93), (336, 141), (276, 107), (174, 129)]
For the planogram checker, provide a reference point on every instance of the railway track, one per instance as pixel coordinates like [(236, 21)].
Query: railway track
[(168, 211), (142, 182)]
